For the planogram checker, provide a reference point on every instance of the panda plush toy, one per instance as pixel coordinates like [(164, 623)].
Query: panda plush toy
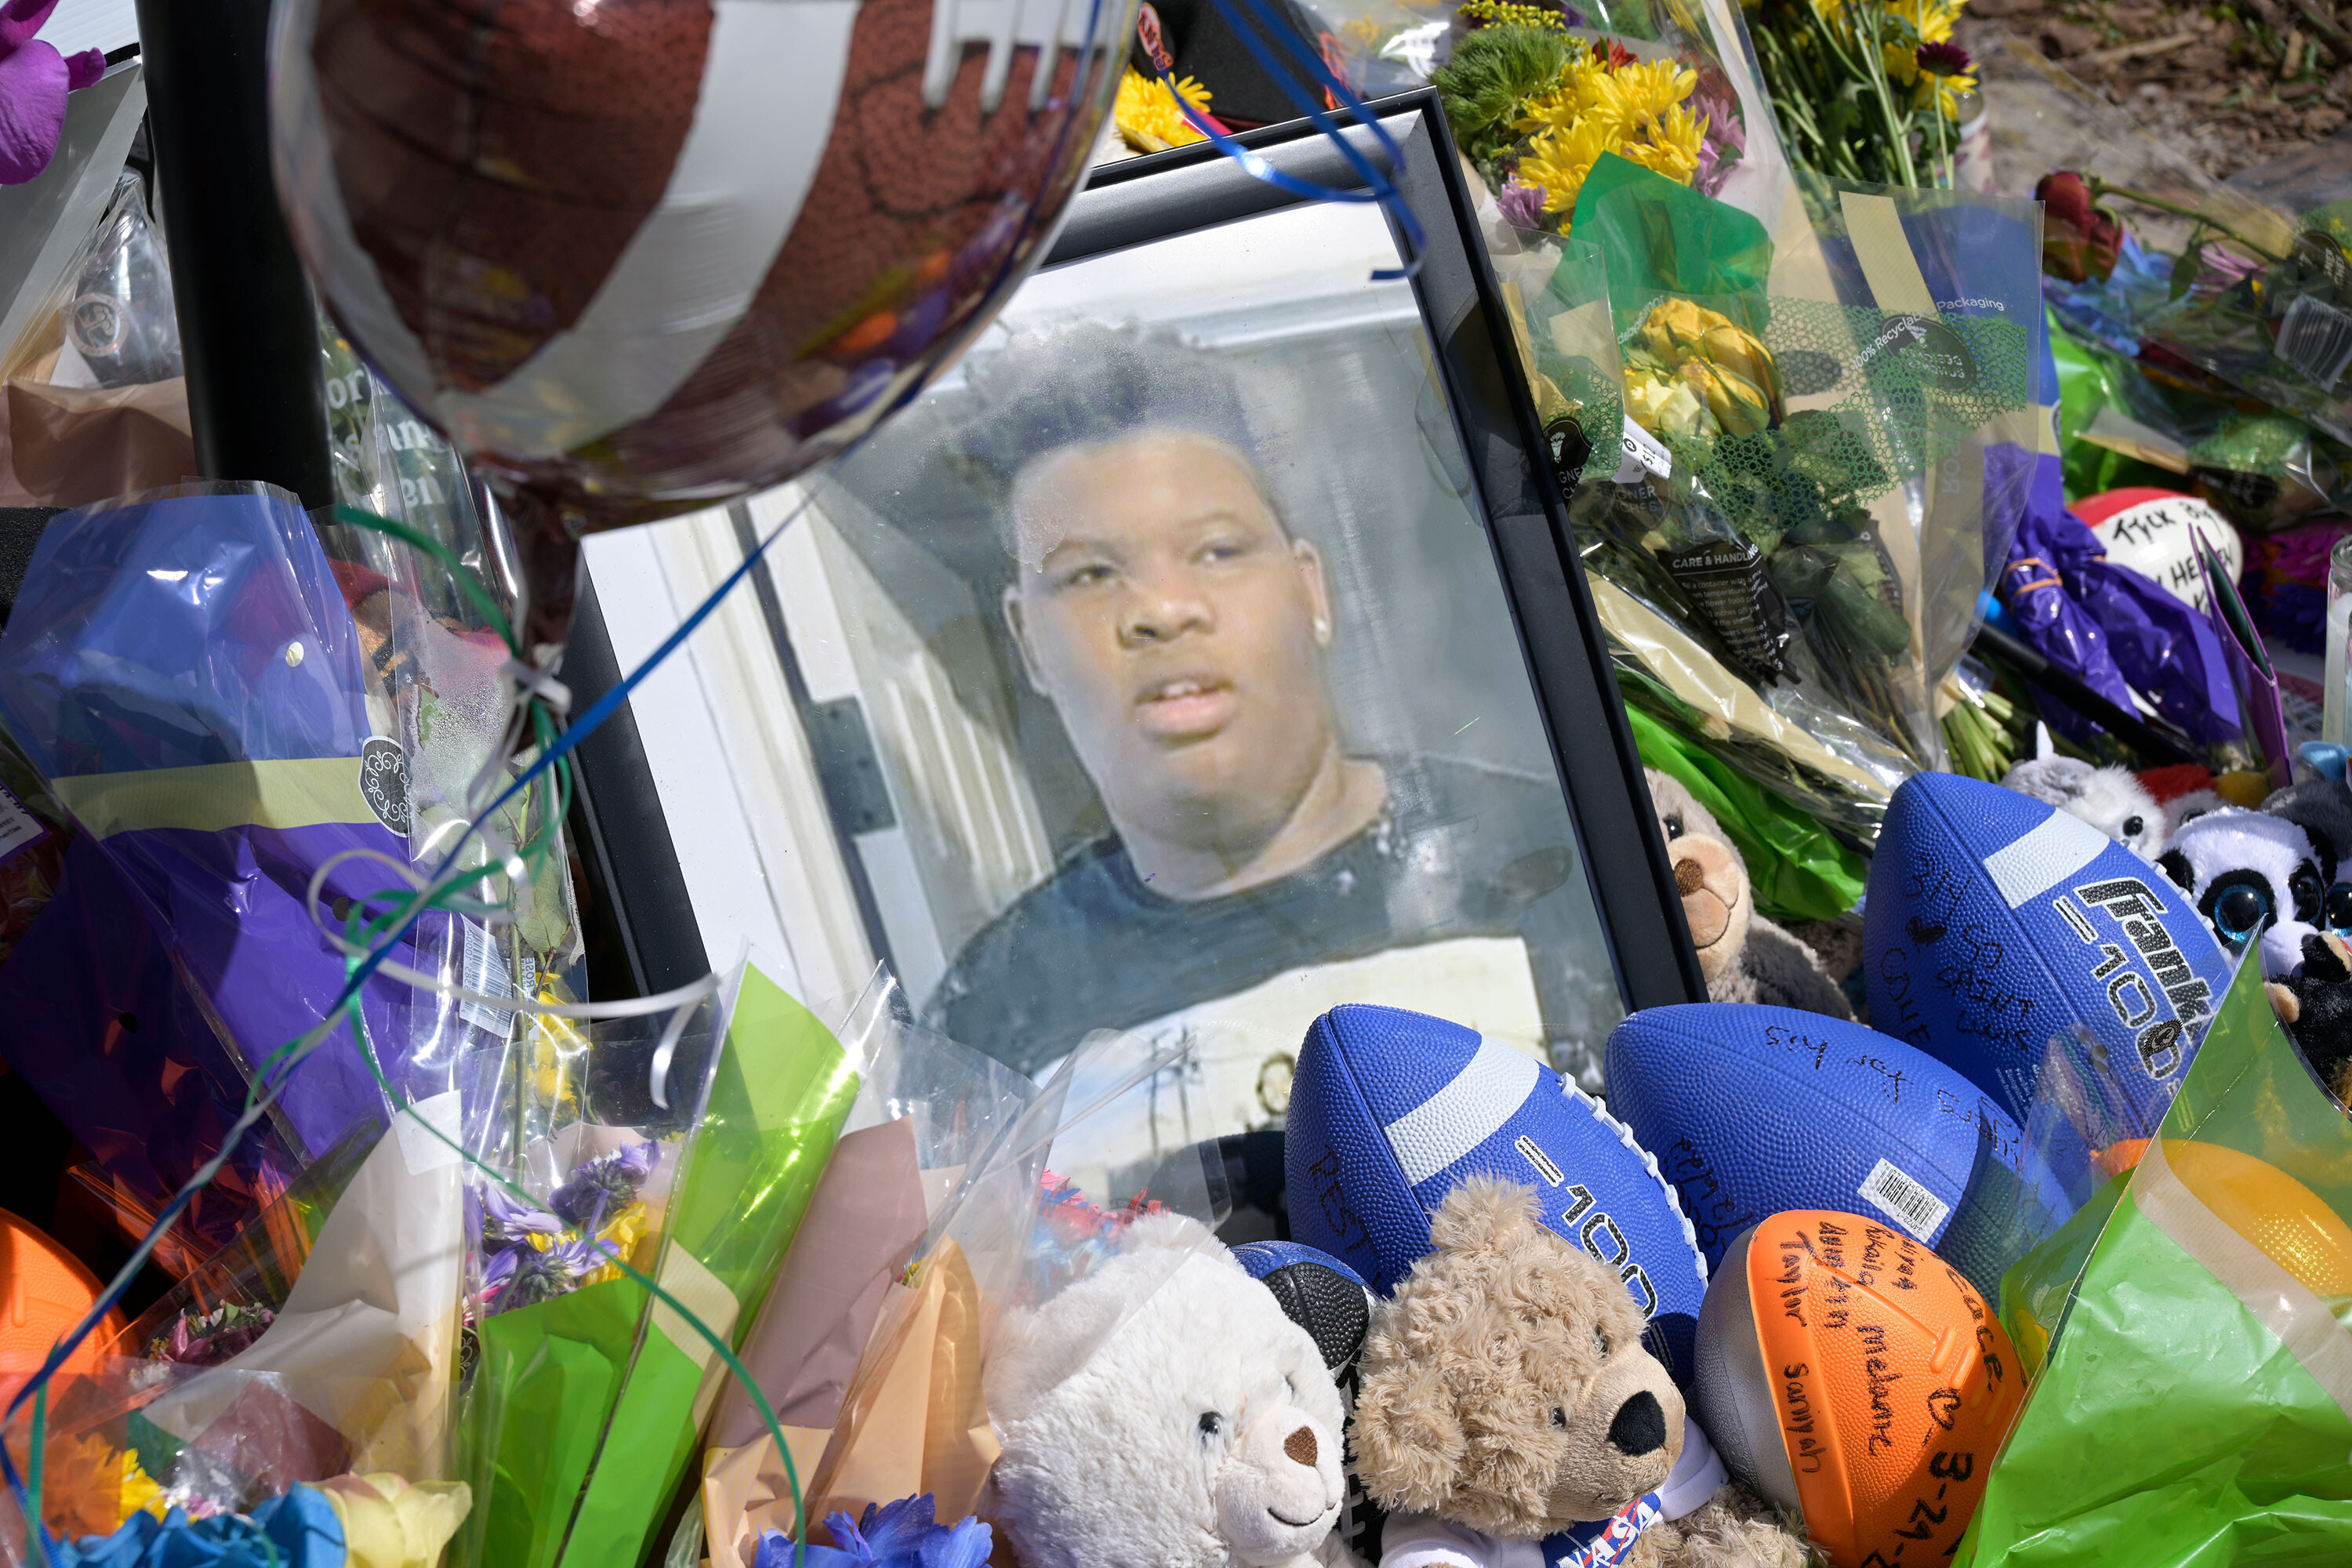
[(2261, 880)]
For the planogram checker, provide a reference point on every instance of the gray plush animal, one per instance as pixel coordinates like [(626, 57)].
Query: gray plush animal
[(2109, 799), (1743, 956)]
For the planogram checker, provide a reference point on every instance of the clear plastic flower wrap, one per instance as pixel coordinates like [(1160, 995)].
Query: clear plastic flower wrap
[(183, 671), (967, 1197), (1803, 455), (320, 1344), (685, 1147)]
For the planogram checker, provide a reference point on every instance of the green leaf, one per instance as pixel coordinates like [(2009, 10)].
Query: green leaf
[(2186, 267)]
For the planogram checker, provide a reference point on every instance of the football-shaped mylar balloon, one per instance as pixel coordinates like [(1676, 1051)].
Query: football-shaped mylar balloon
[(636, 256)]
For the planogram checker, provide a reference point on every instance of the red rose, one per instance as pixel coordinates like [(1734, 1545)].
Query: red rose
[(2080, 239)]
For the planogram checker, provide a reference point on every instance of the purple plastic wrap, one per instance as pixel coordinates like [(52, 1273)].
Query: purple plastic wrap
[(183, 671), (145, 1086), (2112, 628)]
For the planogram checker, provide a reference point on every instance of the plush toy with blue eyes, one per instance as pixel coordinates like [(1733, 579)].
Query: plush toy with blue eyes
[(2261, 879), (2322, 808)]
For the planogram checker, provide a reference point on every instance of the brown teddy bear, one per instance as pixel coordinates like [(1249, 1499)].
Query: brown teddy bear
[(1743, 956), (1508, 1416)]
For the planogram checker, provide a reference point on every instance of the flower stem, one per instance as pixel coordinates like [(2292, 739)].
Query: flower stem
[(2100, 187)]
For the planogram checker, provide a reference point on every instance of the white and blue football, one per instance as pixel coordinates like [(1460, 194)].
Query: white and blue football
[(1755, 1111), (1996, 922), (1391, 1110)]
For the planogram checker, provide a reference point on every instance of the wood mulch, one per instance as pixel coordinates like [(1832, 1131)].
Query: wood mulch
[(2229, 86)]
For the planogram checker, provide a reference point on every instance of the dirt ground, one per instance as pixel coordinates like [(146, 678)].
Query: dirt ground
[(2230, 85)]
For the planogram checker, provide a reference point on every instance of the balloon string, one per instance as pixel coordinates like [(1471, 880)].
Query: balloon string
[(1378, 185), (388, 929)]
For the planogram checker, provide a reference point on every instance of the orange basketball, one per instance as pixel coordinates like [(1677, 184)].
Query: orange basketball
[(1845, 1370), (44, 1293)]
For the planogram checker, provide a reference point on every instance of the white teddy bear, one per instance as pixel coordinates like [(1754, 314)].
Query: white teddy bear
[(1201, 1431)]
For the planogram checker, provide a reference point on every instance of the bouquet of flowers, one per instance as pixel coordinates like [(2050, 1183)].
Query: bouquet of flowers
[(687, 1155), (1868, 89), (1535, 105), (1789, 539)]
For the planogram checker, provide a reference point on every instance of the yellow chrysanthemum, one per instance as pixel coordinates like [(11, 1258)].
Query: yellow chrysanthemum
[(1671, 145), (1638, 93), (1148, 115), (1578, 96), (1559, 160), (139, 1494), (1902, 63), (1933, 20)]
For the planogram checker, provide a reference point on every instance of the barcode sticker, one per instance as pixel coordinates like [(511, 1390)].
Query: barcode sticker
[(1643, 450), (485, 971), (2315, 338), (19, 828), (1903, 1200)]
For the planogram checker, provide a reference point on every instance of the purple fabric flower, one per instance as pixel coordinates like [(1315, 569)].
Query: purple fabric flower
[(34, 81), (1522, 205), (598, 1187)]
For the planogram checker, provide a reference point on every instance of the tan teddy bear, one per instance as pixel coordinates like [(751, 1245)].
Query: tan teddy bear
[(1508, 1416), (1743, 956)]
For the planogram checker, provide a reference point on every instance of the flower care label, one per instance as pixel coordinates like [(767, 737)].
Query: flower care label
[(1725, 580), (19, 828)]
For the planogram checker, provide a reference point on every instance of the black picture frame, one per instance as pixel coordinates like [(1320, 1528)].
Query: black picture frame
[(645, 921)]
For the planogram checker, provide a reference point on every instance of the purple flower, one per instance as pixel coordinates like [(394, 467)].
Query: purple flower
[(523, 1276), (210, 1337), (507, 1221), (901, 1534), (1725, 137), (1943, 60), (599, 1185), (1521, 205), (34, 81), (888, 1530)]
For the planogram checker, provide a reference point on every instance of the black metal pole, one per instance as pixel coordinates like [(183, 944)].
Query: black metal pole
[(247, 327)]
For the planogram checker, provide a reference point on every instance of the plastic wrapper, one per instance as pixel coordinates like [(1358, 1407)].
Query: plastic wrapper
[(443, 708), (693, 1159), (96, 405), (323, 1342), (2205, 1280), (1797, 870), (2111, 627), (443, 723), (1826, 444), (927, 1112), (33, 837), (973, 1218), (2157, 421), (2282, 334), (185, 675), (120, 324), (224, 1303)]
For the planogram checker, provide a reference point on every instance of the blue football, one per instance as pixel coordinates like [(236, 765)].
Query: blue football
[(1391, 1110), (1995, 923), (1756, 1111)]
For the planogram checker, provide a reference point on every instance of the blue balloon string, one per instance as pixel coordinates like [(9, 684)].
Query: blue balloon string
[(1378, 185)]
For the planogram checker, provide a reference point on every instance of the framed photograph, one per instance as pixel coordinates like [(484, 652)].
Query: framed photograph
[(1199, 653)]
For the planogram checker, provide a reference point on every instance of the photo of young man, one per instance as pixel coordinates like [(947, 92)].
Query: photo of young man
[(1256, 870)]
